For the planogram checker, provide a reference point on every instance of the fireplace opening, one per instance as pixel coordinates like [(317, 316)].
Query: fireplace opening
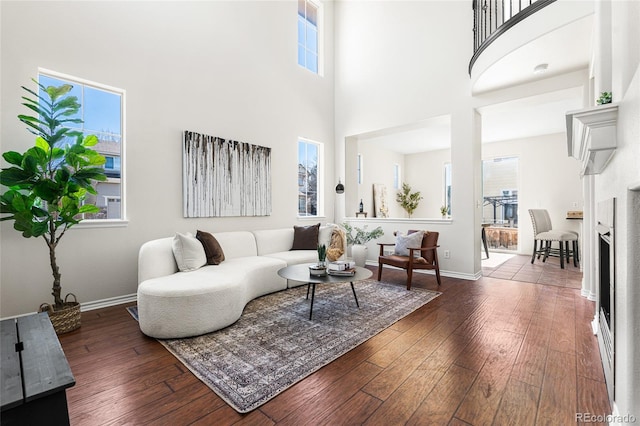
[(606, 294), (605, 278)]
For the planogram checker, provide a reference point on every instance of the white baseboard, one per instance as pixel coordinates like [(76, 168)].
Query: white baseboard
[(105, 303), (96, 304), (450, 274)]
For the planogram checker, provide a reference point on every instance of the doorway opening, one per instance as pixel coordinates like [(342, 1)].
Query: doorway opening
[(500, 203)]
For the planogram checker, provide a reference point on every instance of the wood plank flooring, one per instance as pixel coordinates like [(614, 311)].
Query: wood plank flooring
[(492, 351)]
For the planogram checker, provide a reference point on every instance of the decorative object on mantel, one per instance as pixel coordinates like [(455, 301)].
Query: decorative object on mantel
[(247, 375), (358, 240), (339, 187), (224, 177), (591, 136), (444, 211), (49, 183), (605, 98), (408, 200)]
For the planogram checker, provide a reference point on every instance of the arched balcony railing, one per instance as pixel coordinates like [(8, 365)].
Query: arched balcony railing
[(491, 18)]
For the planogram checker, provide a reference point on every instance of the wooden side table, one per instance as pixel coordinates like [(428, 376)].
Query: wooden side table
[(35, 373), (359, 213)]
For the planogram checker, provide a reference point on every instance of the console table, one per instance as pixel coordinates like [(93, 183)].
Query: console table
[(35, 372)]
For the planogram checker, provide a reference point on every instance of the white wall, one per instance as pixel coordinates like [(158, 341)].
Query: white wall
[(621, 174), (425, 173), (393, 68), (548, 179), (223, 68)]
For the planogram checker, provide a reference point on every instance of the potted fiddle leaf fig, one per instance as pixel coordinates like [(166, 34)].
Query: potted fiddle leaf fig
[(47, 185)]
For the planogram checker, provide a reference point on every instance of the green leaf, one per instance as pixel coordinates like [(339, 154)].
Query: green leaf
[(90, 140), (13, 157), (48, 190), (89, 208), (14, 176), (43, 144), (56, 92)]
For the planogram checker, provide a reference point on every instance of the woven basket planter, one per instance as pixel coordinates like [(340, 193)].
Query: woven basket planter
[(66, 319)]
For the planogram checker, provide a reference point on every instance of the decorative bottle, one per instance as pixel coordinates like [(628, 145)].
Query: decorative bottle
[(361, 206)]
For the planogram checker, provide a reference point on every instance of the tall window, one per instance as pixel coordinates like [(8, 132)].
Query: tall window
[(102, 113), (396, 176), (447, 187), (309, 178), (359, 169), (308, 13)]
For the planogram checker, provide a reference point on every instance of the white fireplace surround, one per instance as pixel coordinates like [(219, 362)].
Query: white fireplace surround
[(591, 136)]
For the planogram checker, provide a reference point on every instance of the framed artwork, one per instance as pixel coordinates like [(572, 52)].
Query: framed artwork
[(224, 177), (380, 206)]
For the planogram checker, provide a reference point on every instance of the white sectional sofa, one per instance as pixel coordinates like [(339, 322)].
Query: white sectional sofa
[(174, 304)]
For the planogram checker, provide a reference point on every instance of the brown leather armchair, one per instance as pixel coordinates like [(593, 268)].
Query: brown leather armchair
[(428, 257)]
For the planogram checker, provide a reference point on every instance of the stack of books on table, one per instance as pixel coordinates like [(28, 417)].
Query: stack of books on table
[(342, 268)]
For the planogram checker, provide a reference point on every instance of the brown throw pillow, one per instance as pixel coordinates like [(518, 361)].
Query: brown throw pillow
[(212, 248), (305, 237)]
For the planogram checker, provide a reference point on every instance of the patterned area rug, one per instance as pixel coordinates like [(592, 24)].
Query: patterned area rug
[(274, 344)]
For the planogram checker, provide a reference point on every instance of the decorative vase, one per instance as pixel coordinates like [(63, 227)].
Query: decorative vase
[(359, 253)]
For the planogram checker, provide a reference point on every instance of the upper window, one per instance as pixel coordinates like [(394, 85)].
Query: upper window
[(309, 192), (101, 110), (308, 52)]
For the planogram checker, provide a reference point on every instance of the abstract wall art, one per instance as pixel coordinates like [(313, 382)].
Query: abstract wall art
[(224, 177)]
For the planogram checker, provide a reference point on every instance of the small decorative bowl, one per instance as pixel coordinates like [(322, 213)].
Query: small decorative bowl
[(317, 271)]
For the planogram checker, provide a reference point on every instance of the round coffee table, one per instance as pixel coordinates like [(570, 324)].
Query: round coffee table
[(301, 273)]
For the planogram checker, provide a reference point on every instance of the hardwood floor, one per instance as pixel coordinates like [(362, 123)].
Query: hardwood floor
[(492, 351)]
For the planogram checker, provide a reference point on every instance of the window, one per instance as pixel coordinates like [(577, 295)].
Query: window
[(102, 113), (309, 178), (359, 169), (447, 187), (396, 176), (308, 52)]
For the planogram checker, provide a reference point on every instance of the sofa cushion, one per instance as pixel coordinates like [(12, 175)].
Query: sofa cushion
[(305, 237), (188, 252), (212, 248), (404, 242), (237, 244), (273, 240)]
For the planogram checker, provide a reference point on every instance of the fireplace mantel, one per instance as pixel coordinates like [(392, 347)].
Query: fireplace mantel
[(591, 136)]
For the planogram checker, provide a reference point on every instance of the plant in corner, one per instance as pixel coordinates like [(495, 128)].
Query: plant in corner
[(408, 200), (48, 184), (444, 211)]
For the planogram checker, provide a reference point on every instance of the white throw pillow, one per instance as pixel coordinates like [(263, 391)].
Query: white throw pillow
[(189, 252), (403, 242)]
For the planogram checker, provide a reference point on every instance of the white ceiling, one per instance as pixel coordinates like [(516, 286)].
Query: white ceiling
[(564, 50)]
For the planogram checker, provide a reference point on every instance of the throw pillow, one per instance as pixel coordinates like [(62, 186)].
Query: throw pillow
[(305, 237), (212, 248), (188, 252), (403, 242)]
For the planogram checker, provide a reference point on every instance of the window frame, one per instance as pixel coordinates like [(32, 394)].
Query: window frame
[(319, 38), (319, 179), (101, 223)]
